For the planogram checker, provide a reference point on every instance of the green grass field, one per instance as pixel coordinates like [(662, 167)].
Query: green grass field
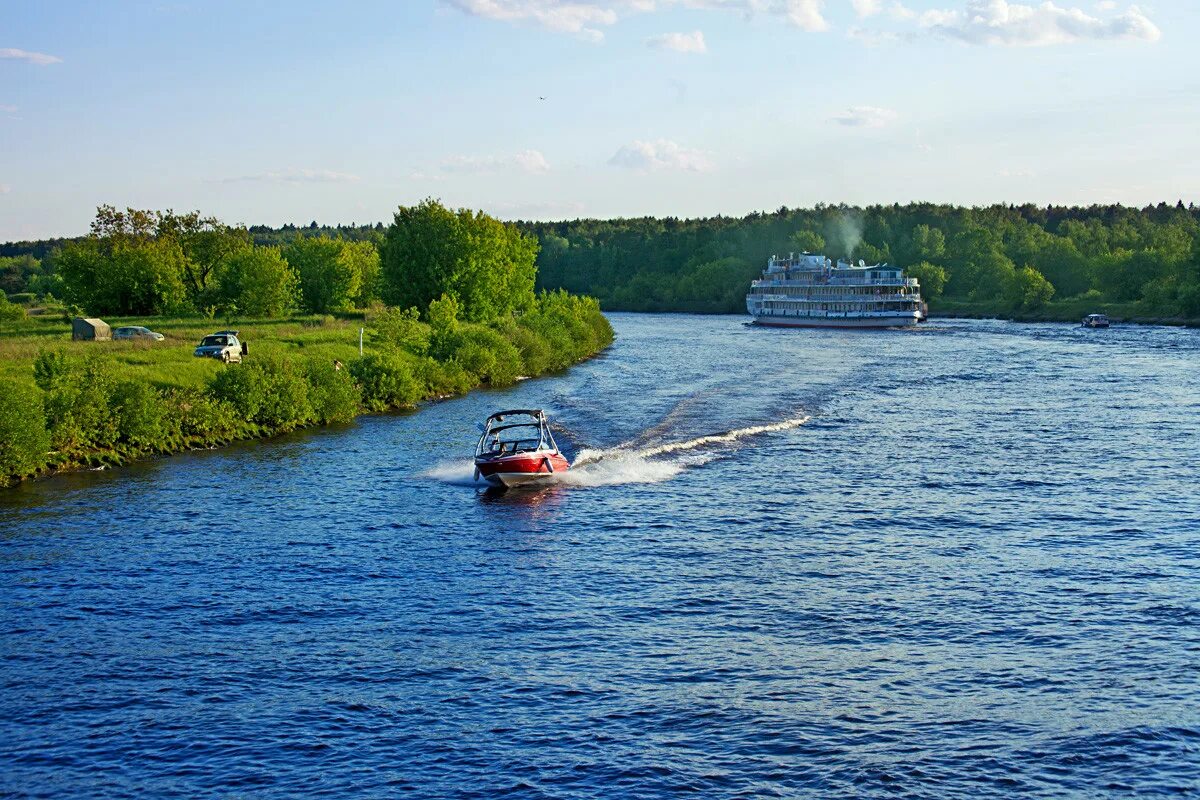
[(170, 363), (106, 402)]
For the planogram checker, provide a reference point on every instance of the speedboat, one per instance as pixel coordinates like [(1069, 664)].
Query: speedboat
[(517, 448), (1095, 321)]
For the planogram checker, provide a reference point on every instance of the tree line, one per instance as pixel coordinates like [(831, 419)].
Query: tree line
[(997, 259), (1000, 258), (160, 263)]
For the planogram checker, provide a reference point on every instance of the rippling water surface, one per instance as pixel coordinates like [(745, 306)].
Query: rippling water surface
[(958, 560)]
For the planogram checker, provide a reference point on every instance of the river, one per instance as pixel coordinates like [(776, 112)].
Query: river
[(958, 559)]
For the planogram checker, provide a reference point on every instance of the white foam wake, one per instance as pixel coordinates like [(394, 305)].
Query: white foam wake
[(456, 473), (691, 444)]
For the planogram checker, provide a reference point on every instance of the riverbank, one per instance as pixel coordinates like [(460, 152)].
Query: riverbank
[(69, 405)]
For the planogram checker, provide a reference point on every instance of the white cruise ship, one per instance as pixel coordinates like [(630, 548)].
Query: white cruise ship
[(808, 290)]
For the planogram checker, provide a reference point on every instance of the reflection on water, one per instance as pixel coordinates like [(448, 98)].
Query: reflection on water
[(530, 501), (932, 563)]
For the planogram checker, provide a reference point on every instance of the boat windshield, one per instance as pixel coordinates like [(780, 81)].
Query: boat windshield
[(504, 437)]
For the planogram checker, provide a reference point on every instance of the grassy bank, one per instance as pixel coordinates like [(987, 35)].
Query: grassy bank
[(1071, 310), (66, 404)]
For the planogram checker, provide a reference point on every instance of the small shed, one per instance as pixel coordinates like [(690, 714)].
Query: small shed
[(90, 330)]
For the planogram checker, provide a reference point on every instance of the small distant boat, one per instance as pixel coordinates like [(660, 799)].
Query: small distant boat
[(517, 449), (1095, 321)]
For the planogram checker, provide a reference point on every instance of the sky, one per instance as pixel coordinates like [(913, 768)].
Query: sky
[(265, 113)]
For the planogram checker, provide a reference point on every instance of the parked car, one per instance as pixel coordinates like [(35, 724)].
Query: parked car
[(136, 332), (222, 345)]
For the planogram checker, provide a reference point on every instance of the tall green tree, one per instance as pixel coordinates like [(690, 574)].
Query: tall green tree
[(1028, 289), (329, 271), (486, 267), (146, 262), (364, 258), (931, 277), (808, 241), (1063, 265), (123, 275), (257, 282), (206, 242), (927, 244)]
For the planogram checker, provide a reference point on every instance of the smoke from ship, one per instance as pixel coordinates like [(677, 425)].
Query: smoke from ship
[(844, 233)]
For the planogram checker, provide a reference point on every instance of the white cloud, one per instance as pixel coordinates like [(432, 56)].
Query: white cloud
[(679, 42), (5, 188), (866, 8), (806, 15), (1003, 23), (294, 175), (871, 38), (1016, 173), (580, 18), (530, 161), (41, 59), (585, 18), (659, 155), (8, 109), (864, 117)]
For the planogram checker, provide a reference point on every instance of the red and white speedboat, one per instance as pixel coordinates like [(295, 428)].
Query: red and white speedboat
[(517, 448)]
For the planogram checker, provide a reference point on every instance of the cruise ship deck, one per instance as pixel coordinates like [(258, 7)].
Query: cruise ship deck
[(809, 290)]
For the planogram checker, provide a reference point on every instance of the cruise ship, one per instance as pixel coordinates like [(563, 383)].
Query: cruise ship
[(807, 290)]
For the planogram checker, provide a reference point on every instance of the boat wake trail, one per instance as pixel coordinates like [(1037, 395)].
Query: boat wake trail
[(642, 463), (704, 441), (632, 462)]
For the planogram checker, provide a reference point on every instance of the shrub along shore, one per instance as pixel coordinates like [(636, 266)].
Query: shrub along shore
[(69, 405)]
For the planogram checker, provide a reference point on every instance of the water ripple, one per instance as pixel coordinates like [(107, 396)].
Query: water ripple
[(972, 571)]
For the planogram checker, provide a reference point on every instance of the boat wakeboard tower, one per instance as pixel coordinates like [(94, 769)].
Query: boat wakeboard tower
[(517, 448)]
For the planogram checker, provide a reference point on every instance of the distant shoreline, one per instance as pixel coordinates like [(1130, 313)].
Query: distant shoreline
[(1059, 311), (1175, 322)]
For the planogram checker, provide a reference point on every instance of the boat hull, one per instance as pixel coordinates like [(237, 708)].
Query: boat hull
[(892, 321), (521, 469)]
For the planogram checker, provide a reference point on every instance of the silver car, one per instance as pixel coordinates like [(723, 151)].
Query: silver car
[(223, 346), (137, 332)]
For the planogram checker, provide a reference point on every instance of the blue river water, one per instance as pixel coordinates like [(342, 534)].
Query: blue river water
[(962, 559)]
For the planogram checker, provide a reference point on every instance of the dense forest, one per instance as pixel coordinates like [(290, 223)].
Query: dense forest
[(998, 259), (1025, 260)]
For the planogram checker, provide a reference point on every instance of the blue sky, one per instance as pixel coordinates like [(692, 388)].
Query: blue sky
[(273, 113)]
